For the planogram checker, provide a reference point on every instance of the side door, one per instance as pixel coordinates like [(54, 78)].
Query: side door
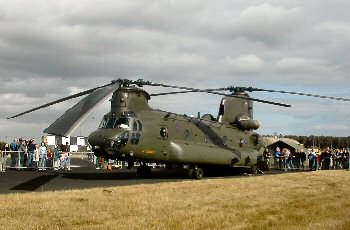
[(163, 136)]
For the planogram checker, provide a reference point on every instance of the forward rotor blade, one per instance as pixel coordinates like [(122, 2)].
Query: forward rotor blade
[(73, 117), (216, 93), (179, 92), (61, 100), (297, 93)]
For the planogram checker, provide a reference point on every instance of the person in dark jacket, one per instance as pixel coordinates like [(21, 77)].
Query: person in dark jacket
[(14, 152), (312, 160)]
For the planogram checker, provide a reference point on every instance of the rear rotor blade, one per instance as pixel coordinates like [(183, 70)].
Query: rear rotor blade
[(299, 93)]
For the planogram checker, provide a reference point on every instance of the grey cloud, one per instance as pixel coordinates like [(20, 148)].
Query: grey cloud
[(52, 49)]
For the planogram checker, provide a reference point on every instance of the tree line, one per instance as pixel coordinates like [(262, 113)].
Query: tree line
[(322, 141)]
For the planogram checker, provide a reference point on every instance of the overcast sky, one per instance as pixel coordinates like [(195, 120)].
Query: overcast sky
[(50, 49)]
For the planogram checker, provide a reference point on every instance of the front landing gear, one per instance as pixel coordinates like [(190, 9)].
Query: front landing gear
[(195, 173), (144, 171)]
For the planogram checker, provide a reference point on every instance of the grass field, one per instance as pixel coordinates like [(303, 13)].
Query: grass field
[(309, 200)]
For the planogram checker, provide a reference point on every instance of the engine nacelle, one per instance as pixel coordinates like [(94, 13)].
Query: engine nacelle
[(244, 122)]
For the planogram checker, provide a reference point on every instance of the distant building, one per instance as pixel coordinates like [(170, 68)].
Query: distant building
[(271, 143), (77, 144)]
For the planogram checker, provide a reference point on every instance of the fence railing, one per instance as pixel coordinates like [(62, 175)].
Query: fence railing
[(29, 159)]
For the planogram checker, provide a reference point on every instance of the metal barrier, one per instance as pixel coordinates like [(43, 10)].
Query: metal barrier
[(30, 160), (21, 160)]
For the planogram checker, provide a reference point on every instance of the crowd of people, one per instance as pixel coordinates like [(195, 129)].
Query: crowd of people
[(286, 159), (28, 154), (329, 159), (22, 154), (295, 160)]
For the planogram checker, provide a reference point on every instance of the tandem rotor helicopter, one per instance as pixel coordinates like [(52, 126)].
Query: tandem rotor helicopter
[(133, 131)]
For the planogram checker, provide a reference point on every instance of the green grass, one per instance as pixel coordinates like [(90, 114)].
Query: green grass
[(315, 200)]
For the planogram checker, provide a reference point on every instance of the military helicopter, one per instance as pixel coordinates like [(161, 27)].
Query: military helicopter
[(134, 132)]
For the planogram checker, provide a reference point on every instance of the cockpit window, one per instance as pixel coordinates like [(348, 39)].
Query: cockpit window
[(114, 122), (103, 123), (110, 122), (122, 121)]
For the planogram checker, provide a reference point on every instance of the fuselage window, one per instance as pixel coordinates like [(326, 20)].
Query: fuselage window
[(135, 138), (140, 125), (163, 132), (134, 126), (187, 135)]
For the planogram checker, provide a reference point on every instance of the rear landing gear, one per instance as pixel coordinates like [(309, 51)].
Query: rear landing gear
[(255, 170), (195, 173)]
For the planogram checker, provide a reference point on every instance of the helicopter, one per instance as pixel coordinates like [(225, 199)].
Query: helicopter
[(132, 131)]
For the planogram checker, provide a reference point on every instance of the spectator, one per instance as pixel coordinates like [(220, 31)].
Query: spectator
[(14, 153), (332, 161), (289, 155), (346, 159), (42, 156), (266, 156), (338, 159), (5, 151), (312, 159), (278, 157), (56, 157), (317, 161), (2, 165), (22, 153), (66, 153), (49, 162), (31, 148), (36, 157), (303, 159)]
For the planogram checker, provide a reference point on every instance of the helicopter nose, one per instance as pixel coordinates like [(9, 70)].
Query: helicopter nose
[(94, 138), (98, 138), (101, 138)]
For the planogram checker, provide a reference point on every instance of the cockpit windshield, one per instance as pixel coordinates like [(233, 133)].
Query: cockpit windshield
[(110, 122)]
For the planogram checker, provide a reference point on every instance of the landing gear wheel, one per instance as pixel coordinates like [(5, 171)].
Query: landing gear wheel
[(144, 171), (197, 174), (254, 170), (190, 173)]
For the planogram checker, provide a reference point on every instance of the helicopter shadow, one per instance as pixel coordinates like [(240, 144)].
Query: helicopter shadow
[(35, 183), (61, 180)]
